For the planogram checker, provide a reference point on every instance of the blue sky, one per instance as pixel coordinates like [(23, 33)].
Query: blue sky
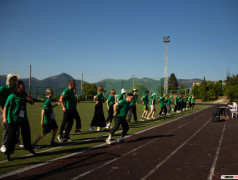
[(116, 38)]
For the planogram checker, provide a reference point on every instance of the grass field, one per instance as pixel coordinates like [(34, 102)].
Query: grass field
[(80, 141)]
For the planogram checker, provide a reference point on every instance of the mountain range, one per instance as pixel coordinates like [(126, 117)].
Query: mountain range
[(61, 81)]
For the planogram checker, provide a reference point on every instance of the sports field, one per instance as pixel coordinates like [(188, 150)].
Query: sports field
[(80, 141)]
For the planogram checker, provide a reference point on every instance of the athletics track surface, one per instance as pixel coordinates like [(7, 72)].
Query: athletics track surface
[(191, 147)]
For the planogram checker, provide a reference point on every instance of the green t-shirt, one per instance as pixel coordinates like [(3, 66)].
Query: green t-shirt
[(185, 99), (152, 100), (49, 115), (120, 96), (69, 99), (123, 108), (145, 99), (5, 91), (190, 98), (111, 100), (135, 97), (100, 97), (168, 101), (162, 101), (193, 99), (176, 99), (16, 107)]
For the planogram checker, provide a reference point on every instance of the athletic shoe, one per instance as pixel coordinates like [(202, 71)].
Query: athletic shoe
[(122, 140), (142, 119), (34, 146), (99, 129), (20, 144), (32, 151), (3, 148), (91, 129), (8, 157), (53, 143), (107, 127), (108, 141), (68, 139), (77, 131), (110, 126), (60, 138)]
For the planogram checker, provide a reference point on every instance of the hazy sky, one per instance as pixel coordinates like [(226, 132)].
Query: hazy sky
[(116, 38)]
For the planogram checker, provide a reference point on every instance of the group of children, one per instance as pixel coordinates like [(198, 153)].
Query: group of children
[(13, 99)]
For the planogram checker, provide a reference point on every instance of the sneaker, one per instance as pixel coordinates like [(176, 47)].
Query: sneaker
[(77, 131), (60, 138), (67, 139), (142, 119), (99, 129), (3, 148), (53, 143), (91, 129), (20, 144), (32, 151), (110, 126), (107, 127), (34, 146), (108, 141), (8, 157), (122, 140)]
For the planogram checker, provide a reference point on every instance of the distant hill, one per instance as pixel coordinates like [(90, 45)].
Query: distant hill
[(61, 81)]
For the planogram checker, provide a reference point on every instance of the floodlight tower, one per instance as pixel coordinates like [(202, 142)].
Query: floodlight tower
[(166, 79)]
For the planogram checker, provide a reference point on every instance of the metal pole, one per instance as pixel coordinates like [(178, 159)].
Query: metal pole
[(133, 81)]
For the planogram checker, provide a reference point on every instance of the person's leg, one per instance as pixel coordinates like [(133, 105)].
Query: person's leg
[(69, 125), (26, 136), (129, 114), (78, 120), (125, 127), (134, 112), (11, 139)]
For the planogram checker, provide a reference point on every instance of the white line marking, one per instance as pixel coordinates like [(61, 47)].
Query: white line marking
[(211, 173), (176, 150)]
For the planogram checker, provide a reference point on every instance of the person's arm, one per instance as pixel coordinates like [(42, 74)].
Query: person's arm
[(62, 103), (5, 115), (115, 108), (142, 100), (42, 117)]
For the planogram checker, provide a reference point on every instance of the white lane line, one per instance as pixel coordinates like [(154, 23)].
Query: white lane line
[(88, 172), (174, 152), (211, 173)]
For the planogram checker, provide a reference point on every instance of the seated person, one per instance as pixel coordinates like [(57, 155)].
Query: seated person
[(232, 108)]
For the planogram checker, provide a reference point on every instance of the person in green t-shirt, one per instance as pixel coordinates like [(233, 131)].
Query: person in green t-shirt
[(133, 107), (68, 103), (163, 101), (152, 106), (5, 91), (120, 112), (110, 102), (169, 101), (122, 95), (47, 119), (185, 100), (145, 101), (176, 103), (193, 101), (15, 116), (190, 101), (98, 118)]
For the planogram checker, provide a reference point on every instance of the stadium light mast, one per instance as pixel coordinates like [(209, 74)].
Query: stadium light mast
[(166, 40)]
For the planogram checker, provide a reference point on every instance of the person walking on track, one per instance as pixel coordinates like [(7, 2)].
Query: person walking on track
[(47, 119), (5, 91), (98, 118), (122, 95), (133, 107), (110, 102), (120, 111), (15, 116), (68, 103), (144, 101), (152, 106)]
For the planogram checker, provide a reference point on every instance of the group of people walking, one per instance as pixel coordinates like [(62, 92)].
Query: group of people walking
[(13, 112)]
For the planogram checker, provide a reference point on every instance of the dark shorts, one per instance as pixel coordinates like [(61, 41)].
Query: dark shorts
[(47, 128)]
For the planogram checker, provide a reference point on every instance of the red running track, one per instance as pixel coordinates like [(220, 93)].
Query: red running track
[(192, 147)]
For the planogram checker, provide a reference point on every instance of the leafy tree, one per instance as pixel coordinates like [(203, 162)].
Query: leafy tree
[(89, 89), (182, 86), (231, 88), (173, 82)]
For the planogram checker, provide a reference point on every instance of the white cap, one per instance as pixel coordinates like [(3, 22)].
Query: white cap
[(9, 76), (153, 94), (123, 91)]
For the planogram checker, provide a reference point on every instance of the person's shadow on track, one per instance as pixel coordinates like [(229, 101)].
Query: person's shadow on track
[(151, 137)]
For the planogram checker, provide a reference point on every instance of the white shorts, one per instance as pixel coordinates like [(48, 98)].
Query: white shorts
[(152, 107)]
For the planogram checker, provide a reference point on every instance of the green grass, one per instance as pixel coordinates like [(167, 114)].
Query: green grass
[(80, 141)]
